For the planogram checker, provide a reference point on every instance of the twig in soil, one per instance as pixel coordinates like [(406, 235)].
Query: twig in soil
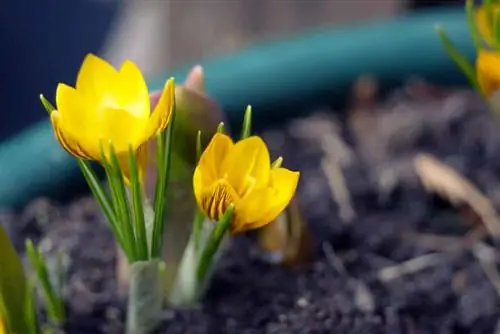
[(440, 178), (411, 266), (338, 187), (487, 258), (363, 297), (445, 243)]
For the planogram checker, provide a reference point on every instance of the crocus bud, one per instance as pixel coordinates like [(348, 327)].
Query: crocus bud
[(195, 111)]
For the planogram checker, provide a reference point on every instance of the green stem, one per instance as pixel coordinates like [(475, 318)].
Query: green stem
[(199, 218), (55, 304), (145, 297), (205, 261), (165, 154), (137, 204)]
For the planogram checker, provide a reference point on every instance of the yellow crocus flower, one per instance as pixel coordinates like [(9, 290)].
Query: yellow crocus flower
[(241, 174), (109, 106), (2, 326), (488, 71), (485, 26)]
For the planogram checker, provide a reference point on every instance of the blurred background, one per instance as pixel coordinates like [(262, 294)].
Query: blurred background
[(44, 41)]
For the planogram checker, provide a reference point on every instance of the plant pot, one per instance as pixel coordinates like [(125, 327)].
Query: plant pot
[(355, 283)]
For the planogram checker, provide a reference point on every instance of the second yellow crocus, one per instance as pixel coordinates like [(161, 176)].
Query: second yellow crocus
[(484, 24), (109, 106), (488, 71), (241, 174)]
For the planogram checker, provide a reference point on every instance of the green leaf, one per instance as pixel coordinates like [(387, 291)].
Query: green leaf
[(199, 146), (165, 148), (104, 201), (54, 302), (205, 261), (31, 312), (199, 216), (46, 104), (463, 63), (277, 163), (137, 204), (123, 224), (496, 29), (246, 129), (13, 286), (220, 127), (471, 21)]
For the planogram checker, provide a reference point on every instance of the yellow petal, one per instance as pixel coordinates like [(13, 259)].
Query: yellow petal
[(68, 141), (120, 127), (163, 111), (488, 71), (247, 166), (95, 76), (209, 168), (484, 26), (141, 155), (133, 91), (263, 206), (215, 200), (71, 106)]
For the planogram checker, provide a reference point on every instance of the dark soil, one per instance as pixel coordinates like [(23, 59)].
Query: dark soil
[(345, 289)]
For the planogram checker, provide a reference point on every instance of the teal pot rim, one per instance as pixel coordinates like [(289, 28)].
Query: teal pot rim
[(280, 79)]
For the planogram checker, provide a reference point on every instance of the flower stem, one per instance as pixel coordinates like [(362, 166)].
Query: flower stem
[(205, 261), (145, 297), (165, 147)]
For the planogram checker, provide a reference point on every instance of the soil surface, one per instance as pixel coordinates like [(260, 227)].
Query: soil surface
[(383, 256)]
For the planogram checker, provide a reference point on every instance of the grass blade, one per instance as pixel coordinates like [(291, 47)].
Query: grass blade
[(13, 286), (161, 186), (220, 127), (246, 130), (31, 312), (137, 204), (205, 261), (54, 302), (120, 201), (471, 21), (463, 63), (103, 200)]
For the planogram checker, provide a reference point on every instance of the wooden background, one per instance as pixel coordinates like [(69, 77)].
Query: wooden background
[(158, 34)]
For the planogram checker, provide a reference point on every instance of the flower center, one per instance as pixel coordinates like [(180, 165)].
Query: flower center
[(218, 199)]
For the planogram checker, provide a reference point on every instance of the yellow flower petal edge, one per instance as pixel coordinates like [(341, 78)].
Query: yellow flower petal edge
[(483, 25), (109, 106), (488, 71), (241, 174)]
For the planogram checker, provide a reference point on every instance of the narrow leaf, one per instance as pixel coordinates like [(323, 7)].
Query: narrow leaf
[(54, 302), (46, 104), (124, 224), (199, 146), (246, 130), (220, 127), (462, 62), (139, 222), (161, 188), (13, 286), (471, 21), (277, 163), (496, 29), (103, 200), (31, 312), (210, 249)]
